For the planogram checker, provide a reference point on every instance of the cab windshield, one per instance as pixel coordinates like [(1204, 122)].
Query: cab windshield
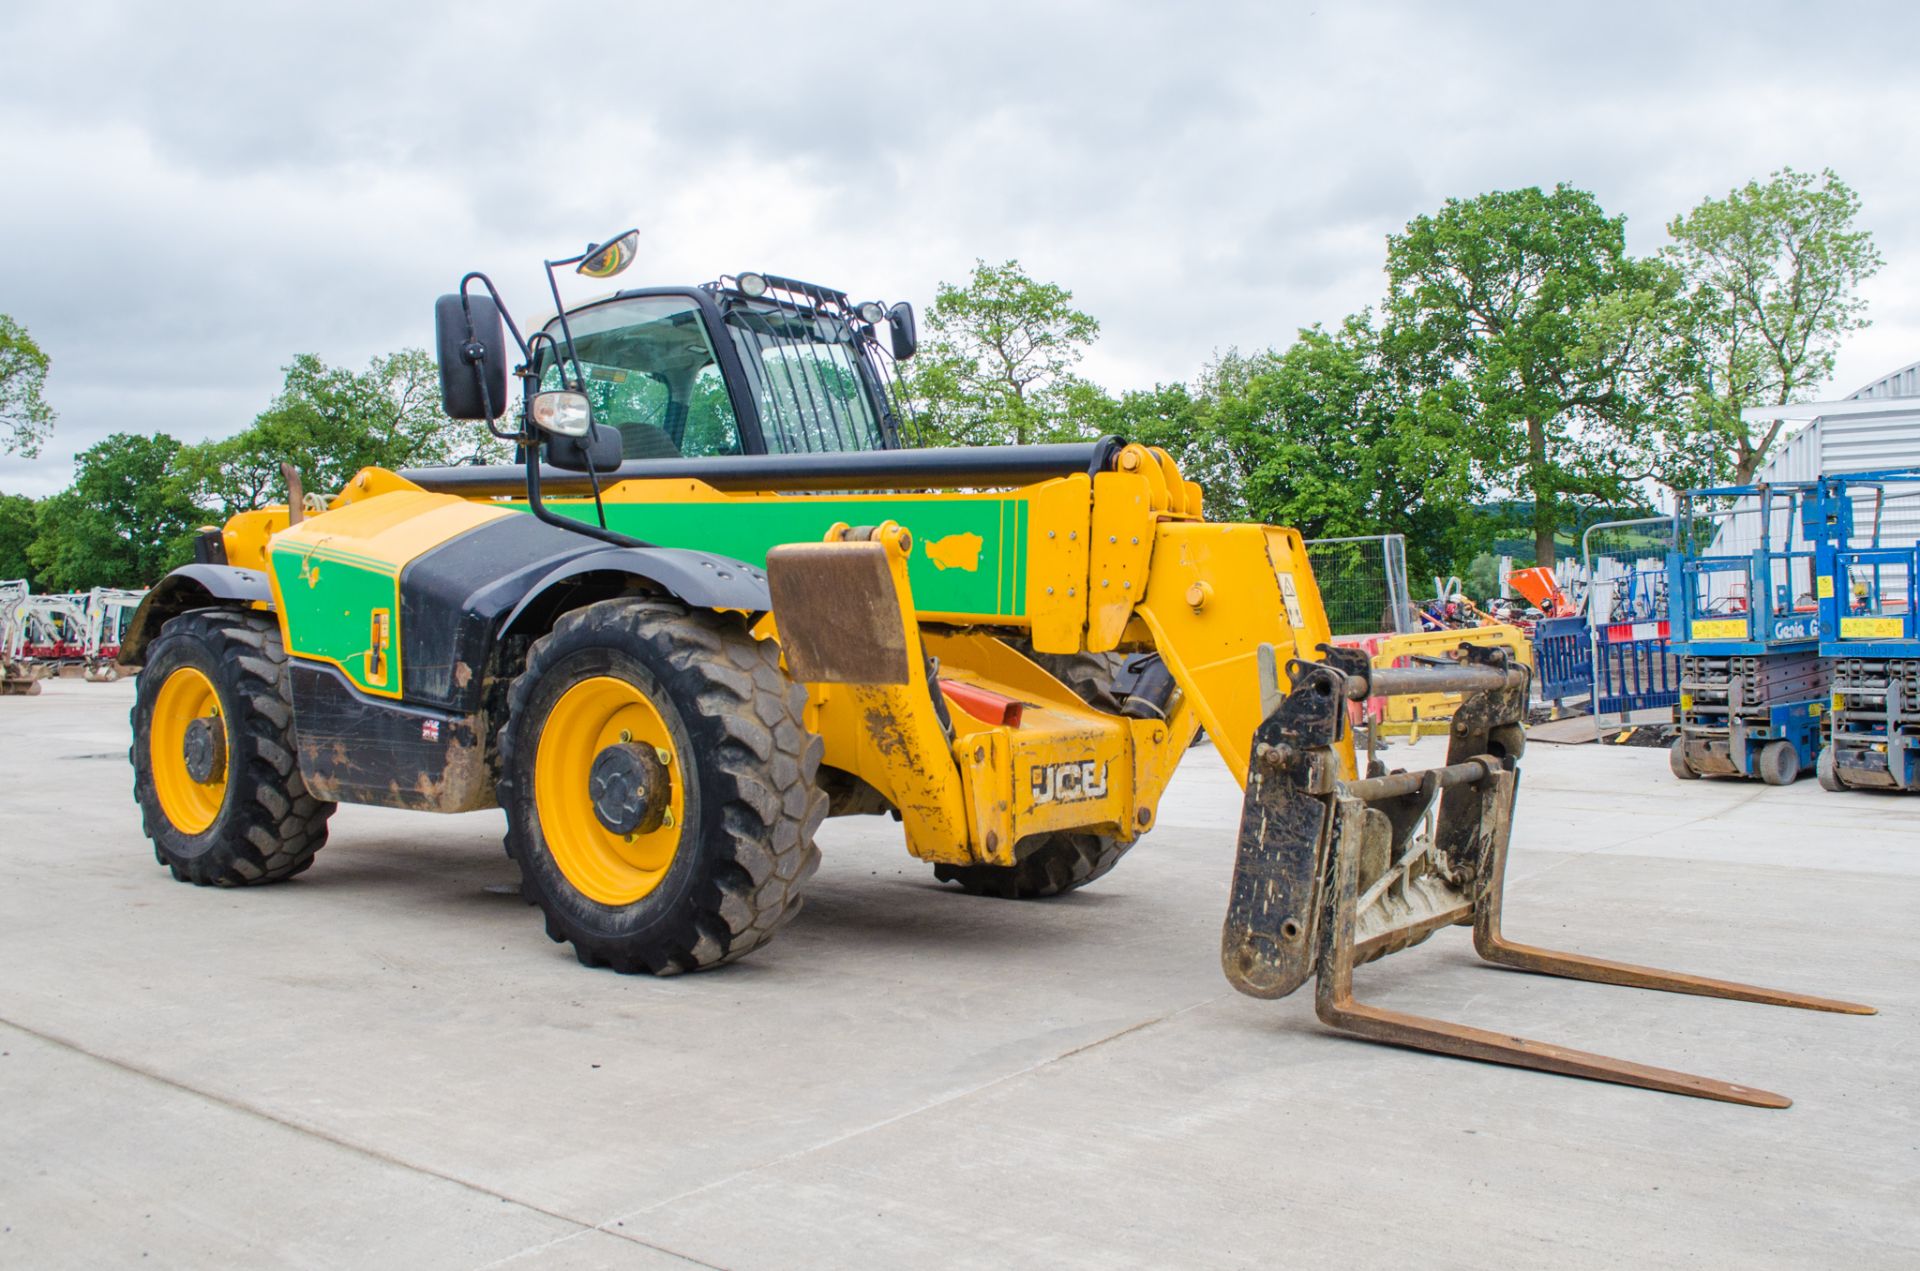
[(807, 375)]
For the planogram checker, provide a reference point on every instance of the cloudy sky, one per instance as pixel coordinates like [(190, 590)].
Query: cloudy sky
[(191, 194)]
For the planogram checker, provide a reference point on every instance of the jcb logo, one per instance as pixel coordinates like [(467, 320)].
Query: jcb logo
[(1069, 782)]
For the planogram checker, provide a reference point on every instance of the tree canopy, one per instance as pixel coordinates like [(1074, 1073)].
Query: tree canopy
[(17, 517), (135, 500), (126, 520), (997, 365), (1326, 436), (25, 417), (330, 422), (1523, 368), (1529, 302), (1773, 272)]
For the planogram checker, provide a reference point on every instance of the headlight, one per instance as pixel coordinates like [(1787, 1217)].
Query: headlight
[(752, 286), (565, 413)]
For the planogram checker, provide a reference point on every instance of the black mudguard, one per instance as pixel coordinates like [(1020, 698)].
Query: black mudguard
[(515, 573), (186, 588)]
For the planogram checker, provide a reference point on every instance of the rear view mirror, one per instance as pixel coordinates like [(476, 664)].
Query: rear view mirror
[(598, 451), (906, 335), (473, 357), (609, 258)]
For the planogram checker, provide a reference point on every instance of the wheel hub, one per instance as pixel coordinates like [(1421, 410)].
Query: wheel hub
[(629, 788), (205, 750)]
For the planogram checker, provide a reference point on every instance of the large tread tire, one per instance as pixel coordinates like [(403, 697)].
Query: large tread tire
[(752, 802), (1050, 864), (268, 827), (1090, 675)]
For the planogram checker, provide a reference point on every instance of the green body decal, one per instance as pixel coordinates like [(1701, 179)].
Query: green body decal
[(969, 560), (969, 555), (330, 598)]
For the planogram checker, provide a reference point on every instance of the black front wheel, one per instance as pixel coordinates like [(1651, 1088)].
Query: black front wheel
[(214, 758), (660, 786)]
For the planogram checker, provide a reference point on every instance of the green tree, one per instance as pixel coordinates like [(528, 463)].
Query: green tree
[(1325, 436), (1207, 428), (126, 520), (16, 534), (1528, 302), (330, 422), (1773, 272), (25, 417), (998, 362), (1482, 578)]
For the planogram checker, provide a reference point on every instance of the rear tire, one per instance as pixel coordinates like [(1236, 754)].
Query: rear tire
[(1091, 676), (1828, 771), (1677, 760), (1053, 863), (256, 823), (1779, 763), (1049, 864), (722, 874)]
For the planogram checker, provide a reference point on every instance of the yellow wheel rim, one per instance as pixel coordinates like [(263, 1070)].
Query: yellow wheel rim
[(186, 695), (612, 868)]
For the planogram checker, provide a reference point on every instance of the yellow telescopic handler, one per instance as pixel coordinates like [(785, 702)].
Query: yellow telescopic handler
[(718, 599)]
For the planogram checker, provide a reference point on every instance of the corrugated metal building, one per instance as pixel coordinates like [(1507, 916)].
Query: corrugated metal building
[(1877, 427)]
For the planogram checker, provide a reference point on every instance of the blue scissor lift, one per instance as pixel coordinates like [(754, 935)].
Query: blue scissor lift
[(1869, 638), (1746, 628)]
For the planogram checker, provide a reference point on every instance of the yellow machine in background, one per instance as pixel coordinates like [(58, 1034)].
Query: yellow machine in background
[(1416, 713)]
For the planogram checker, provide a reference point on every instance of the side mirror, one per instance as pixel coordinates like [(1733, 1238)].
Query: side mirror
[(906, 334), (571, 453), (472, 349)]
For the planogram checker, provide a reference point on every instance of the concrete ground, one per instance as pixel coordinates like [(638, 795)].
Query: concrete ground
[(385, 1063)]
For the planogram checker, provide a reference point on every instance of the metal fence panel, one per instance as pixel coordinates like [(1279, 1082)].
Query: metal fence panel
[(1363, 583), (1625, 563), (1634, 668), (1563, 658)]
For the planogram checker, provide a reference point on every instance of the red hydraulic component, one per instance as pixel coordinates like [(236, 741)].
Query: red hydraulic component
[(984, 704)]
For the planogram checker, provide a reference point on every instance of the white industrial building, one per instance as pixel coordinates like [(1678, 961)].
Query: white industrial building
[(1875, 428)]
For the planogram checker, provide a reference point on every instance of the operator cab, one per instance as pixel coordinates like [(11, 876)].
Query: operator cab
[(752, 364), (749, 365)]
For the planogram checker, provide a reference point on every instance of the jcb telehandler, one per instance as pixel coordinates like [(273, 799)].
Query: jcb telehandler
[(717, 600)]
